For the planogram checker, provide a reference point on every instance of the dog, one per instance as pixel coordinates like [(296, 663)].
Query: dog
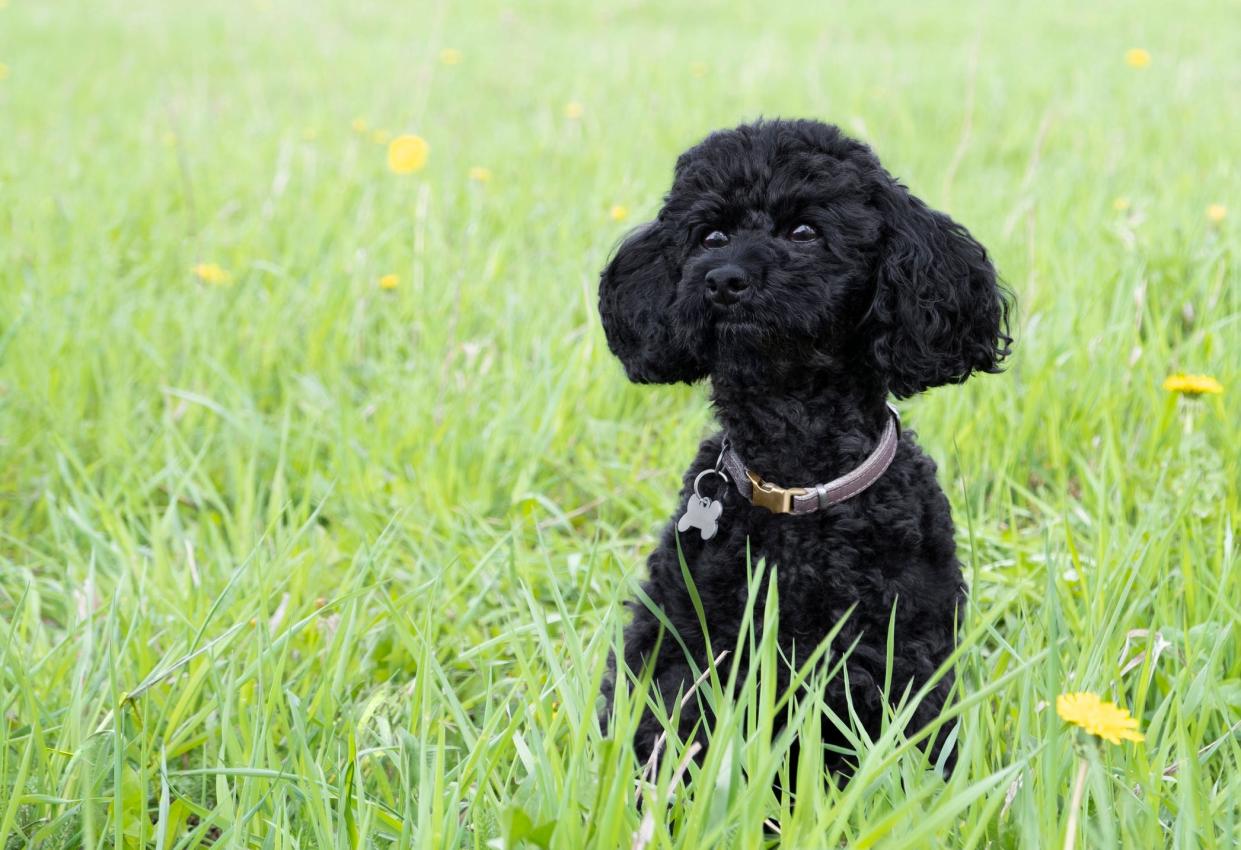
[(807, 284)]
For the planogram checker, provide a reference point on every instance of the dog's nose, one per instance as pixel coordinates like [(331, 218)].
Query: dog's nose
[(726, 284)]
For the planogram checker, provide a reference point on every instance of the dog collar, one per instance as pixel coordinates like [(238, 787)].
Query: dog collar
[(804, 500)]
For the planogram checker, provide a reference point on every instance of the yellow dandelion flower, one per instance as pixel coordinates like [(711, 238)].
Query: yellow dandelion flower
[(212, 273), (407, 154), (450, 56), (618, 213), (1137, 57), (1216, 213), (1193, 385), (380, 137), (358, 125), (389, 281), (698, 69), (480, 174), (1099, 718), (1121, 204), (4, 71), (573, 110)]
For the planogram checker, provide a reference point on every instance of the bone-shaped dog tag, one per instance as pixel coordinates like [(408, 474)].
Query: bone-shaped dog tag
[(703, 514)]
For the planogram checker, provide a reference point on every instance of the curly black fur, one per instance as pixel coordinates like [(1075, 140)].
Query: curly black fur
[(887, 297)]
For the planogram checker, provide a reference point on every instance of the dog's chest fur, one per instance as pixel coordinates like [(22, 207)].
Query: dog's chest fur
[(892, 542), (890, 548)]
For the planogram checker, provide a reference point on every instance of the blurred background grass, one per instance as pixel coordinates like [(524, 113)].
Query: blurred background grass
[(333, 524)]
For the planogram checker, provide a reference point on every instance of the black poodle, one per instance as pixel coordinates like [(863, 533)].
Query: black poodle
[(789, 268)]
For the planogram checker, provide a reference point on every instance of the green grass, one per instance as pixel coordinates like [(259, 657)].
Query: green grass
[(300, 562)]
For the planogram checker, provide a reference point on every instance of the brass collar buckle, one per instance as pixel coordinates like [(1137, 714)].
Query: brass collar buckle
[(778, 500)]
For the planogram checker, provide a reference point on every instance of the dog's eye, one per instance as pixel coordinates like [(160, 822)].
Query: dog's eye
[(803, 233), (715, 239)]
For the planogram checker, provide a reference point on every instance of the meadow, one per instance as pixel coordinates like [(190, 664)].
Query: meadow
[(320, 491)]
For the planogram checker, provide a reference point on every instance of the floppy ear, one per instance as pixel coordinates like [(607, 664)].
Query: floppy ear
[(637, 291), (939, 311)]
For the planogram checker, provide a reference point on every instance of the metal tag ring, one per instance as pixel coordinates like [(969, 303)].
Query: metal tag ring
[(698, 479)]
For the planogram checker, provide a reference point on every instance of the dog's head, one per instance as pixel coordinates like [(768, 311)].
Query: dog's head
[(786, 243)]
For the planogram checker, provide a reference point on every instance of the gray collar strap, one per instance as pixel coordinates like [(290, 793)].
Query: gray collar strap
[(804, 500)]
